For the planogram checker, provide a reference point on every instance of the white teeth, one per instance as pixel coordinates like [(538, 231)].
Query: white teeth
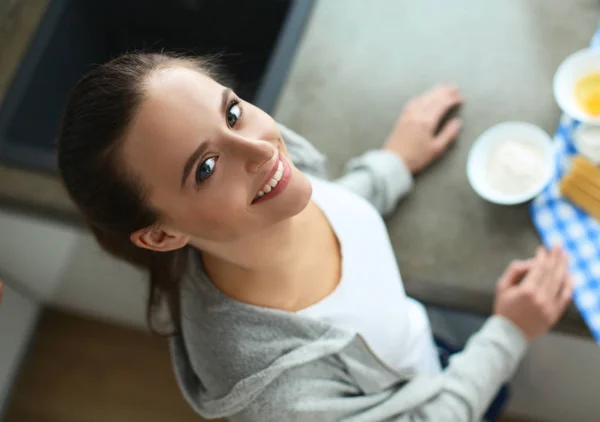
[(277, 176), (279, 171), (273, 182)]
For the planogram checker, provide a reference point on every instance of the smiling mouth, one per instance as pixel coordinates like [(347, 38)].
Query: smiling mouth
[(272, 183)]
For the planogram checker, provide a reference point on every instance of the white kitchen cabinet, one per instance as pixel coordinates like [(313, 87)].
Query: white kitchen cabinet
[(18, 316), (33, 252), (93, 283), (63, 266)]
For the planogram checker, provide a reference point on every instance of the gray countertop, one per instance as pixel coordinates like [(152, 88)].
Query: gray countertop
[(358, 63)]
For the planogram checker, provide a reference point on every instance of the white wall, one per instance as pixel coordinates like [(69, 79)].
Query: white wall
[(558, 381)]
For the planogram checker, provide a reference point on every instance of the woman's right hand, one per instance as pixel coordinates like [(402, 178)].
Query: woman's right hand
[(414, 138), (534, 294)]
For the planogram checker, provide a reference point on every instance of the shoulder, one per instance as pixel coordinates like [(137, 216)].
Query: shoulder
[(308, 392)]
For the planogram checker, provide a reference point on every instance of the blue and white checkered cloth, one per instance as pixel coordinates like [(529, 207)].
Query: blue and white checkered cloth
[(558, 221)]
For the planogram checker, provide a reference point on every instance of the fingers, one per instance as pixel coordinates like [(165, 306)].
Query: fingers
[(550, 282), (440, 91), (447, 136), (562, 301), (557, 272), (439, 100), (513, 273), (566, 294), (535, 276)]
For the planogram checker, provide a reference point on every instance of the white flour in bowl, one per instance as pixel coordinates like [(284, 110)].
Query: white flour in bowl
[(514, 166)]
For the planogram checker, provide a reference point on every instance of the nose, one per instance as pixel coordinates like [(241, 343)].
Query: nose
[(254, 153)]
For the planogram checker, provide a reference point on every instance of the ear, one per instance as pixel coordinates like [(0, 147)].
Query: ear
[(156, 238)]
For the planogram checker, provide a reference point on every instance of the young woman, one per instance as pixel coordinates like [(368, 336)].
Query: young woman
[(283, 289)]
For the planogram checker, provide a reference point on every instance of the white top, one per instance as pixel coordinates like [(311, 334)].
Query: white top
[(370, 298)]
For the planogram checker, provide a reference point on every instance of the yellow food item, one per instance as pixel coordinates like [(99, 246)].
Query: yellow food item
[(581, 185), (587, 93)]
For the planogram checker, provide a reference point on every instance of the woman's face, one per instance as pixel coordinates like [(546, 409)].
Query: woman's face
[(215, 167)]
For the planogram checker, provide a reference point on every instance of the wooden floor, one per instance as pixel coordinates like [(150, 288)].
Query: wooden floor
[(81, 370)]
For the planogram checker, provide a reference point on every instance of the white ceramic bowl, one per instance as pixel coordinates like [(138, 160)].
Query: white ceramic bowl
[(573, 68), (587, 141), (484, 145)]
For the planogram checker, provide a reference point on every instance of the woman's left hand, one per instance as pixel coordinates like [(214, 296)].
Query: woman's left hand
[(414, 139)]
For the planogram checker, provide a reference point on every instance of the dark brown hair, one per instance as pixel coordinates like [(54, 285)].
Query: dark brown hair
[(97, 115)]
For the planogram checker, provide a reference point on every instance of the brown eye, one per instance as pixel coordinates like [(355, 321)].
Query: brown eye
[(234, 111)]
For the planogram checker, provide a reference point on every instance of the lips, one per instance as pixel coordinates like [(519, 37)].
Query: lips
[(275, 182), (272, 183)]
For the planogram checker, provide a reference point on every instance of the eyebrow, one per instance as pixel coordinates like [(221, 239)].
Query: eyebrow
[(187, 168), (224, 97)]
